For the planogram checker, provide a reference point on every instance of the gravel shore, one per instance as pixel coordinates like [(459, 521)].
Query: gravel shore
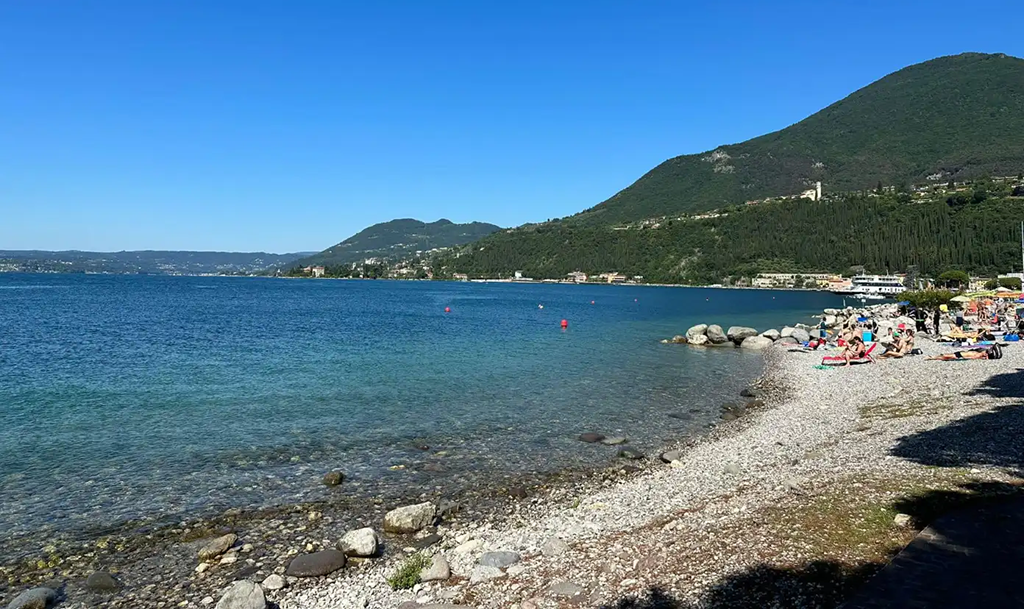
[(686, 531), (795, 503)]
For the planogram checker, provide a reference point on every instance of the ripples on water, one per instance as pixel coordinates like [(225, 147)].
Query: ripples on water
[(124, 397)]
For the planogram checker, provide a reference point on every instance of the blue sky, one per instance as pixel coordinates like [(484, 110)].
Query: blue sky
[(286, 126)]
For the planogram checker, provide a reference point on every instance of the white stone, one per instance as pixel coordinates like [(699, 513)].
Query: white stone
[(360, 542), (410, 518), (274, 582)]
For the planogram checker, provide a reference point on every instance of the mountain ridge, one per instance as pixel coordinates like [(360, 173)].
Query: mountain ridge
[(400, 238), (883, 132)]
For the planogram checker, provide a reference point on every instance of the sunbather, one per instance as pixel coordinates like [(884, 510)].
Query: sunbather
[(903, 345), (854, 349), (992, 352)]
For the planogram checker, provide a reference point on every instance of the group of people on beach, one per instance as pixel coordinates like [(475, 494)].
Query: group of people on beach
[(973, 329)]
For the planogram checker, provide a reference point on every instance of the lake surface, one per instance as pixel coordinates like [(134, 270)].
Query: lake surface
[(135, 397)]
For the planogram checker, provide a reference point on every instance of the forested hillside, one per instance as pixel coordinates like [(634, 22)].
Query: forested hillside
[(976, 228), (399, 239), (953, 117)]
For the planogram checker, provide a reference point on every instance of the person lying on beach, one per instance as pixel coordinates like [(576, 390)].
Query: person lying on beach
[(991, 353), (854, 349)]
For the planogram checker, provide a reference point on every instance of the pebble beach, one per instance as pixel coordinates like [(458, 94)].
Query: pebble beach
[(686, 530), (744, 516)]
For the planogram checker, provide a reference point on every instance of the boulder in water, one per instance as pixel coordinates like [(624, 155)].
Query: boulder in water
[(756, 343), (700, 340), (771, 334), (34, 598), (737, 333), (695, 331), (716, 335), (591, 437)]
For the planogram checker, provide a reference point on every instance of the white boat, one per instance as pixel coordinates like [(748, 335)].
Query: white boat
[(869, 297), (874, 286)]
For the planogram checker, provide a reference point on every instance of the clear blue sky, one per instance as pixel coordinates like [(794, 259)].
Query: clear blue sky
[(284, 126)]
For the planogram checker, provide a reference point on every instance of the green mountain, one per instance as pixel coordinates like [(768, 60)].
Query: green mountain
[(954, 117), (399, 239), (951, 119)]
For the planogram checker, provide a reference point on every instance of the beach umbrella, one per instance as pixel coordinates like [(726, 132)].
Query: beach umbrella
[(960, 299), (1002, 289)]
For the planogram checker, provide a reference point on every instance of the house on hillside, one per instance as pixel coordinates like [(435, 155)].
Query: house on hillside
[(577, 277), (814, 194)]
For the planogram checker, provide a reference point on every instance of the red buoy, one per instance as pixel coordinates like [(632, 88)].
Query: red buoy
[(591, 302), (565, 324), (447, 309)]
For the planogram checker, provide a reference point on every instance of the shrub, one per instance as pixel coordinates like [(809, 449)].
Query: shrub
[(408, 575)]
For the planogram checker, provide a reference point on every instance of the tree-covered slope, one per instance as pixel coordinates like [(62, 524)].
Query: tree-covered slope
[(952, 117), (976, 229), (400, 239)]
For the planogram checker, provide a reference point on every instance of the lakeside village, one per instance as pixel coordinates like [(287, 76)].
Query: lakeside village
[(856, 281)]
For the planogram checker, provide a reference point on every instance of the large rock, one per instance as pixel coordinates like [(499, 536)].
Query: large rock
[(243, 594), (695, 331), (787, 340), (101, 581), (799, 334), (409, 518), (699, 340), (274, 582), (756, 343), (772, 334), (500, 560), (218, 546), (679, 339), (716, 335), (831, 321), (316, 564), (671, 455), (34, 598), (334, 478), (360, 542), (437, 570), (737, 333), (591, 437)]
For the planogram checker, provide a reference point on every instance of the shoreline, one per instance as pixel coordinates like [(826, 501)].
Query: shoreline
[(815, 446), (797, 446)]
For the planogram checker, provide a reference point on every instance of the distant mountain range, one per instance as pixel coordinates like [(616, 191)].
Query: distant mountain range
[(151, 262), (398, 240)]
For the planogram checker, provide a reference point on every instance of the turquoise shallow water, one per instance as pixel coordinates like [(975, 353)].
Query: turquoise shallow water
[(127, 397)]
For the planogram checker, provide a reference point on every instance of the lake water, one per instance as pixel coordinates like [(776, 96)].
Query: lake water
[(134, 397)]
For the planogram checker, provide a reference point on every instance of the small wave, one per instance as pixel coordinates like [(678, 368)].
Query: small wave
[(33, 287)]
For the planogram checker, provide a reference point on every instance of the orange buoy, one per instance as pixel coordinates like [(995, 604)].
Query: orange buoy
[(447, 309), (565, 324)]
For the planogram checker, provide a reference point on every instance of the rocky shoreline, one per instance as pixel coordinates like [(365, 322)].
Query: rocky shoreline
[(569, 538)]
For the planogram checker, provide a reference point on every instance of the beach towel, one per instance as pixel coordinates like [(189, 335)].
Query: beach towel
[(837, 360)]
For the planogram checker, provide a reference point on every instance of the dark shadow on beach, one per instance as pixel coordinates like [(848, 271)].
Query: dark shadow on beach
[(969, 556), (1005, 385), (988, 438), (815, 584)]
